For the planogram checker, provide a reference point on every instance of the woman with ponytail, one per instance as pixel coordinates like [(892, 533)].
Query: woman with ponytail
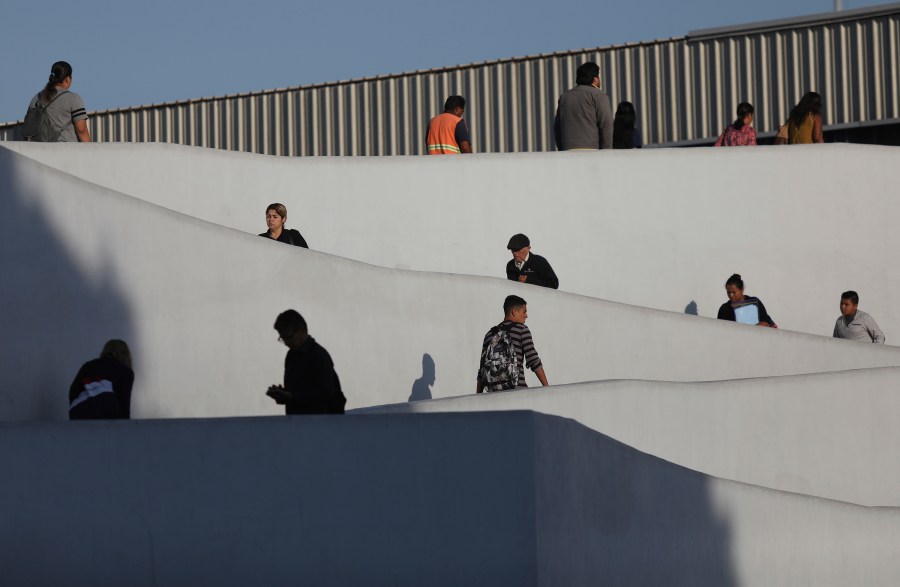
[(64, 109), (739, 133)]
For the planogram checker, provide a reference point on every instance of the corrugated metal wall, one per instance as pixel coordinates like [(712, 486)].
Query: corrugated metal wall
[(684, 89)]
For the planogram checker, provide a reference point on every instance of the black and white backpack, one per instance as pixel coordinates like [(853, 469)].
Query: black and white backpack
[(499, 362)]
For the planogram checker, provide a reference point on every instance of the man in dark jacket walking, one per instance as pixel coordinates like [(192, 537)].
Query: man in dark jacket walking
[(527, 267), (311, 386)]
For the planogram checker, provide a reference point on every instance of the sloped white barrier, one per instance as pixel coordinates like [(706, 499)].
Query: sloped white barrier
[(827, 435), (440, 499), (658, 228), (197, 302)]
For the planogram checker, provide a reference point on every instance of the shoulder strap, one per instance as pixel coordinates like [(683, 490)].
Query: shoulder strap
[(68, 123), (58, 94)]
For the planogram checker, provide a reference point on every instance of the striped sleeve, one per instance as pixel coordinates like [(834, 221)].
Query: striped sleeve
[(76, 106), (529, 353)]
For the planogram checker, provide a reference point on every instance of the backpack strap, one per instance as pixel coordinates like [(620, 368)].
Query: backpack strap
[(58, 94), (63, 128)]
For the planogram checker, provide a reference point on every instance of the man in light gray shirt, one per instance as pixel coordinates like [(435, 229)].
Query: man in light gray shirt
[(584, 118), (854, 324)]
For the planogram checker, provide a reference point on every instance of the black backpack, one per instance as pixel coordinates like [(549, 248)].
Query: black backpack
[(38, 126)]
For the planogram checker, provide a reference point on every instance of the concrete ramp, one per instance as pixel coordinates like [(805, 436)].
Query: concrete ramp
[(827, 435), (658, 228), (441, 499), (197, 301), (156, 244)]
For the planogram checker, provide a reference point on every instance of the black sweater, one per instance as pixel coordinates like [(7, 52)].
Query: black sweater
[(289, 236), (310, 378), (726, 310), (103, 371), (536, 268)]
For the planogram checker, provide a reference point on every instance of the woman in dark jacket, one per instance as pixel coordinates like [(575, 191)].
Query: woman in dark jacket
[(625, 133), (102, 388), (739, 306), (276, 214)]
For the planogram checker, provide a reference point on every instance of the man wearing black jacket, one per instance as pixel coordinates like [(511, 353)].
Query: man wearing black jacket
[(311, 385), (527, 267)]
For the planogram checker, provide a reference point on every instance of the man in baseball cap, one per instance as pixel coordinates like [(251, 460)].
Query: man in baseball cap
[(527, 267)]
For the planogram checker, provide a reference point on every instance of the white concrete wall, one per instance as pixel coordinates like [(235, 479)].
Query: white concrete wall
[(197, 302), (629, 519), (446, 499), (825, 435), (659, 228)]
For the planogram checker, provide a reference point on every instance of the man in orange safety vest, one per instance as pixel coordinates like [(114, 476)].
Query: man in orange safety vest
[(447, 132)]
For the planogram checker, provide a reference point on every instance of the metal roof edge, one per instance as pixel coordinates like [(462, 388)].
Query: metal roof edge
[(698, 35), (374, 78), (786, 23)]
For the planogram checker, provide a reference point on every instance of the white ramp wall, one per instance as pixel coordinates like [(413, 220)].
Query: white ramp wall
[(659, 228), (442, 499), (828, 435), (197, 302)]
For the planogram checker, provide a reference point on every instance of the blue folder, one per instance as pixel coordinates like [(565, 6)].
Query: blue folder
[(748, 314)]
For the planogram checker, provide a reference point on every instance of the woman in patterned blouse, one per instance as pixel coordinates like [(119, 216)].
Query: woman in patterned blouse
[(740, 133)]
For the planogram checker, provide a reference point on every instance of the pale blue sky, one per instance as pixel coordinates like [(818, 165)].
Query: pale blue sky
[(131, 53)]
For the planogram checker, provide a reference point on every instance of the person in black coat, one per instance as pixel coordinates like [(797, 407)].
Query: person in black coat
[(311, 385), (102, 388), (276, 214), (527, 267)]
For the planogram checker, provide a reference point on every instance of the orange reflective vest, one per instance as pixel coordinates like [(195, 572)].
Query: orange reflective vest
[(441, 138)]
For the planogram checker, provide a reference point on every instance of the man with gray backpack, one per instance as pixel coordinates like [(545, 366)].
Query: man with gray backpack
[(56, 115), (507, 350)]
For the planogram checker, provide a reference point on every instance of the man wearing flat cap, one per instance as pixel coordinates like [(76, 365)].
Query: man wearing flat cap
[(527, 267)]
